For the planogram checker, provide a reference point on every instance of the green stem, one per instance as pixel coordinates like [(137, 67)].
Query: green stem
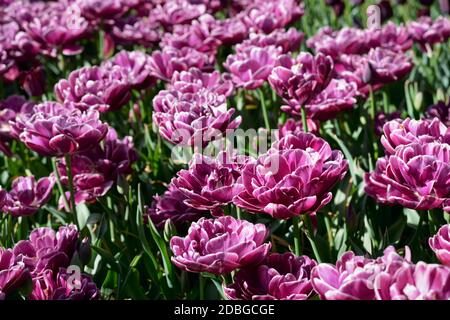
[(60, 187), (310, 235), (264, 109), (304, 121), (238, 213), (295, 224), (73, 207), (202, 283)]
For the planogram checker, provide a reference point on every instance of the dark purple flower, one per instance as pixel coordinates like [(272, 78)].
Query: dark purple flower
[(13, 275), (50, 285), (295, 177), (289, 40), (440, 244), (55, 129), (27, 196), (194, 80), (58, 29), (132, 30), (441, 111), (426, 31), (192, 118), (251, 65), (47, 249), (221, 245), (279, 277), (338, 96), (415, 176), (414, 282), (299, 81), (101, 9), (163, 64), (136, 64), (230, 31), (103, 89), (33, 81), (382, 118), (209, 183), (171, 206), (177, 12)]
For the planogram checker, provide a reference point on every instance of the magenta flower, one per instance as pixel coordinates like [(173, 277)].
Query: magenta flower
[(58, 29), (136, 64), (266, 16), (295, 177), (402, 132), (230, 31), (441, 111), (50, 285), (221, 245), (251, 65), (13, 275), (171, 206), (414, 282), (101, 9), (177, 12), (55, 129), (440, 244), (47, 249), (199, 35), (353, 277), (194, 80), (415, 176), (209, 184), (295, 127), (131, 30), (103, 89), (426, 31), (289, 40), (390, 36), (163, 64), (27, 196), (279, 277), (192, 118), (299, 81), (338, 96), (382, 118)]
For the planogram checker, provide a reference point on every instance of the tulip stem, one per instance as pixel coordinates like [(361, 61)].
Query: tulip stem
[(264, 109), (202, 282), (238, 213), (304, 121), (60, 187), (73, 207), (295, 224), (310, 235)]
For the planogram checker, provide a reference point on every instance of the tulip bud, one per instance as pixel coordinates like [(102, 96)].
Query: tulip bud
[(84, 250)]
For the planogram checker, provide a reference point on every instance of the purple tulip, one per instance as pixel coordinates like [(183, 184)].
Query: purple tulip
[(279, 277), (295, 127), (440, 244), (266, 16), (415, 176), (390, 36), (338, 96), (101, 9), (295, 177), (251, 65), (47, 249), (177, 12), (163, 64), (13, 275), (33, 81), (382, 118), (136, 64), (58, 29), (194, 80), (199, 35), (209, 184), (221, 245), (426, 31), (414, 282), (230, 31), (50, 285), (289, 40), (299, 81), (171, 206), (353, 277), (55, 129), (131, 30), (441, 111), (27, 196), (103, 89), (192, 118), (403, 132)]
